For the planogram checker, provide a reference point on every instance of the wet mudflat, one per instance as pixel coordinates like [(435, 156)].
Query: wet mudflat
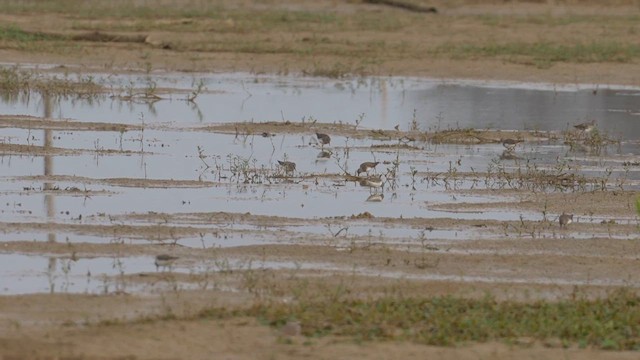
[(151, 209), (201, 179)]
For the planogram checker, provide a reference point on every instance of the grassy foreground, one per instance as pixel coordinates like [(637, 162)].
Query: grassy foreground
[(612, 323)]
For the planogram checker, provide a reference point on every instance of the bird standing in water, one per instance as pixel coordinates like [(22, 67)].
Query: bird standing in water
[(324, 139), (165, 261), (586, 128), (510, 144), (288, 166), (366, 166), (565, 219)]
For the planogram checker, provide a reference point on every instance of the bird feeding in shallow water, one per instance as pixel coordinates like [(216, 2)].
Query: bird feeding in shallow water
[(366, 166), (510, 144), (324, 139), (165, 261), (565, 219), (586, 127), (288, 166)]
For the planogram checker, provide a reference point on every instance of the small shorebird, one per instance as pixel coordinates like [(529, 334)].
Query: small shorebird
[(366, 166), (510, 144), (586, 127), (324, 139), (373, 182), (288, 166), (565, 219), (375, 197), (165, 261)]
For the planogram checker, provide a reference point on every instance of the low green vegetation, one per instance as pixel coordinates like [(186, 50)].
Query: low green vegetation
[(556, 20), (612, 323), (116, 8), (544, 53), (14, 33)]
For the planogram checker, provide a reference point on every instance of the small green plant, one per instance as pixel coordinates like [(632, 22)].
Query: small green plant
[(14, 33)]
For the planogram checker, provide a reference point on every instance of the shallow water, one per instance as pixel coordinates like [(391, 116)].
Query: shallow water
[(23, 274), (218, 181), (385, 103)]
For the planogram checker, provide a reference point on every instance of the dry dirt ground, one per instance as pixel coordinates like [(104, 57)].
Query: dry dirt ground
[(116, 326)]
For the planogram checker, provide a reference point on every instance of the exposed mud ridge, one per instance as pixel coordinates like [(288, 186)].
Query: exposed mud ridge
[(451, 136), (599, 205), (123, 182), (37, 150), (32, 122)]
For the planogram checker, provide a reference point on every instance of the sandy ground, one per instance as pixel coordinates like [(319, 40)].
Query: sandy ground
[(215, 45), (520, 261)]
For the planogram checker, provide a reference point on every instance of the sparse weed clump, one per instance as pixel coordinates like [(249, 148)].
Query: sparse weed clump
[(14, 81)]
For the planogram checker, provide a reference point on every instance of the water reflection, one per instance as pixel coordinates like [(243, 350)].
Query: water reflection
[(375, 197), (49, 197)]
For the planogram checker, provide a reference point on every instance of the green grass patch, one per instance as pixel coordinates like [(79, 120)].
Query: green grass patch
[(545, 52), (165, 9), (14, 33), (612, 323), (219, 18), (553, 20)]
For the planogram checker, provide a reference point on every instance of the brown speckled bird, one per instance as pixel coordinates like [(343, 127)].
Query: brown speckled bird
[(565, 219), (288, 166), (586, 127), (510, 144), (165, 261), (366, 166), (324, 139)]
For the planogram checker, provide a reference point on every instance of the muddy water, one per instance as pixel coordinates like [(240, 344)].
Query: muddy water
[(170, 168)]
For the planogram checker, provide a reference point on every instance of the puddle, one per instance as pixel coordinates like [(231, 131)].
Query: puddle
[(171, 168), (24, 274), (27, 274)]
